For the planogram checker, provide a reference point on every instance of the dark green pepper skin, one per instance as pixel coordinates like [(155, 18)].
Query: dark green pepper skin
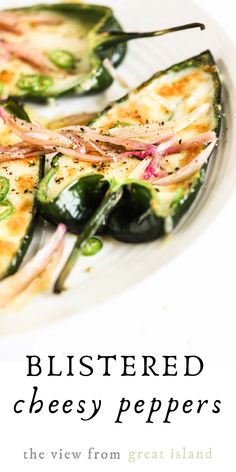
[(19, 256), (98, 79), (76, 204), (135, 219), (17, 110)]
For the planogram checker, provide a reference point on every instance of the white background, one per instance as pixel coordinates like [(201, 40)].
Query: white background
[(187, 308)]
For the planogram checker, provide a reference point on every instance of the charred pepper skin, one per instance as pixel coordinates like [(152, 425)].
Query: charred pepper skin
[(135, 219)]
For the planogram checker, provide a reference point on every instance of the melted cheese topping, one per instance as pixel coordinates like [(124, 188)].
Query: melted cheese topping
[(167, 98), (23, 177), (71, 35)]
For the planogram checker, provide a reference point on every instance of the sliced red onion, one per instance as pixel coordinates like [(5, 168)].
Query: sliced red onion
[(40, 19), (187, 170), (33, 133), (17, 283), (78, 135), (28, 54), (14, 123), (9, 22), (14, 23), (114, 74), (47, 138), (171, 147), (151, 171), (19, 151), (161, 151), (138, 131), (153, 130), (93, 146), (138, 171), (148, 169), (77, 141), (184, 145), (84, 157), (92, 135), (20, 154), (4, 56), (18, 126), (149, 151), (132, 144), (63, 145)]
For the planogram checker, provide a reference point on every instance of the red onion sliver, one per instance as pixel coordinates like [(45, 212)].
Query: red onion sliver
[(28, 54), (15, 284), (203, 138), (131, 144), (15, 23), (9, 22), (49, 20), (156, 129), (81, 141), (114, 74), (41, 138), (33, 133), (18, 126), (7, 156), (188, 170), (84, 157), (171, 147), (138, 171), (158, 154), (149, 151)]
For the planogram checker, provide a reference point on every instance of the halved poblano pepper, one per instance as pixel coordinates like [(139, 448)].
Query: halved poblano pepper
[(105, 197), (57, 49), (19, 180)]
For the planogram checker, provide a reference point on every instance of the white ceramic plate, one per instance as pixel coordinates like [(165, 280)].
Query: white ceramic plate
[(119, 265)]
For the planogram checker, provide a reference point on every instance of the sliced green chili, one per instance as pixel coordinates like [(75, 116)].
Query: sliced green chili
[(5, 213), (109, 202), (62, 59), (93, 246), (35, 83), (4, 187)]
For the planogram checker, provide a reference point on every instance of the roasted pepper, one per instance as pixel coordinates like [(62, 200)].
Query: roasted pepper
[(19, 179), (60, 49), (111, 197)]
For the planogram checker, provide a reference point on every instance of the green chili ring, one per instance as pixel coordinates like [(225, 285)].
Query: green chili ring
[(34, 83), (4, 187), (63, 59), (8, 209), (92, 247)]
